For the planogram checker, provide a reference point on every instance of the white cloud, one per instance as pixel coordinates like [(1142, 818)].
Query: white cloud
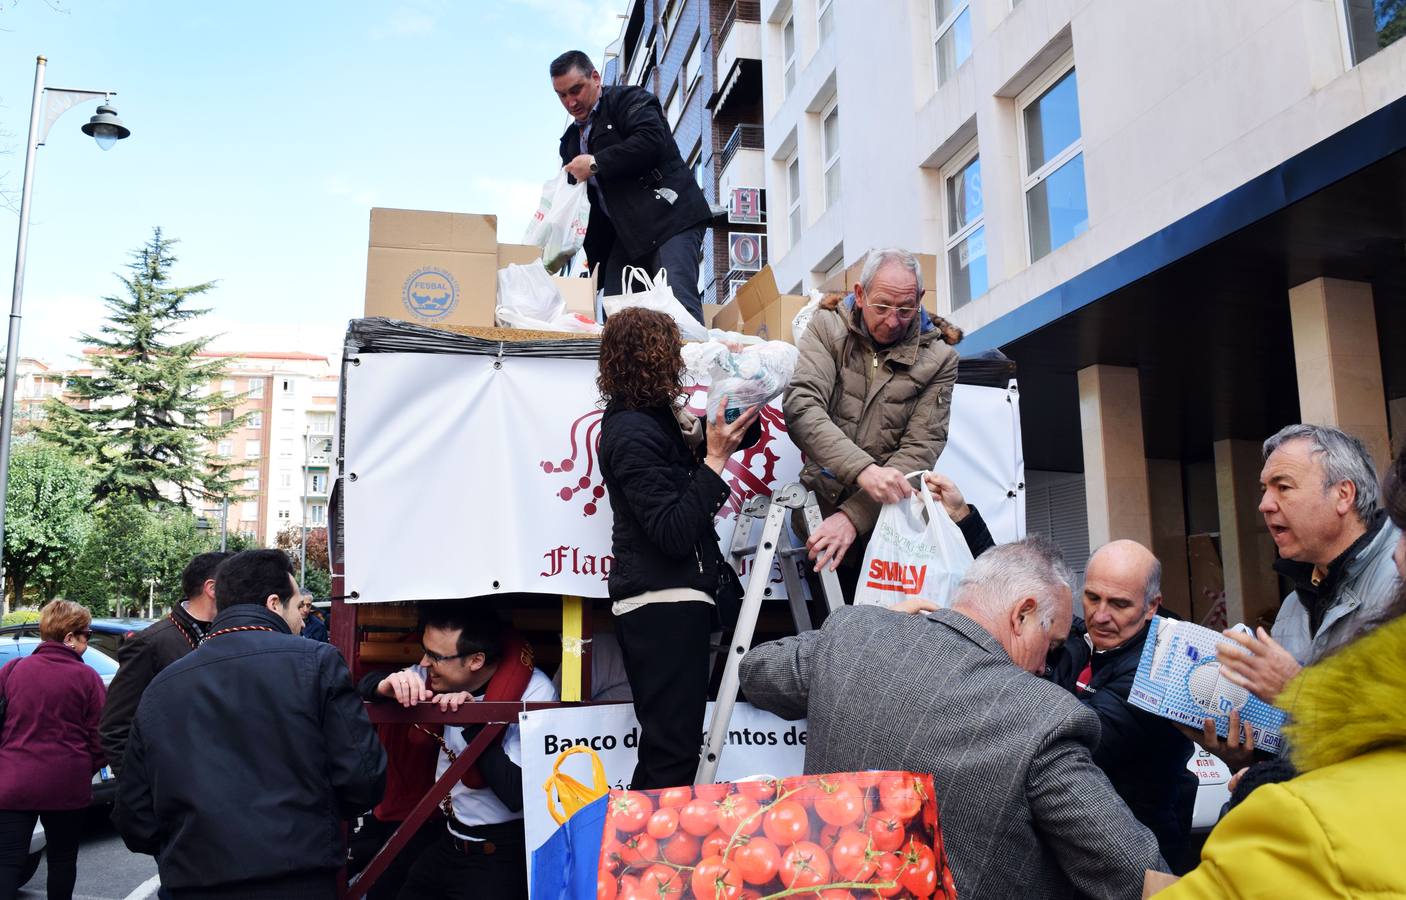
[(594, 22)]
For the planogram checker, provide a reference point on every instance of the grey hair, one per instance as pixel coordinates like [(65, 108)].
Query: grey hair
[(1153, 586), (877, 259), (1343, 458), (1032, 567)]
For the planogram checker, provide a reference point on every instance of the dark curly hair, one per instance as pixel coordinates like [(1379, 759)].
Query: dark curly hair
[(641, 363)]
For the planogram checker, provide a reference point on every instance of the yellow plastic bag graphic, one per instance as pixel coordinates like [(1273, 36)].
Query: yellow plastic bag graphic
[(565, 795)]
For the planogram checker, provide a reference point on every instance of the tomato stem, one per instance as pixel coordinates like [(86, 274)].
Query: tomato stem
[(839, 885)]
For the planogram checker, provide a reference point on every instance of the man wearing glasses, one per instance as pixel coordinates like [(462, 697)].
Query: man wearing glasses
[(869, 402), (469, 657)]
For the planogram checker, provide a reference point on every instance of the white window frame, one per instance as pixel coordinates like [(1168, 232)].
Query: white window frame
[(225, 448), (251, 511), (794, 221), (1063, 66), (822, 9), (256, 388), (319, 483), (939, 31), (789, 64), (951, 238), (251, 480), (285, 479), (830, 160), (692, 65), (669, 18), (253, 449), (673, 108), (256, 420)]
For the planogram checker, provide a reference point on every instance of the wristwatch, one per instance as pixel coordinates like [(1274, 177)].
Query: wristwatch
[(594, 167)]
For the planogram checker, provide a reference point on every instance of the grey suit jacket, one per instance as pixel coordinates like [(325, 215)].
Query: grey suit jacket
[(1024, 811)]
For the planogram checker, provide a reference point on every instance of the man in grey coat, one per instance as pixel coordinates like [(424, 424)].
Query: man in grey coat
[(1024, 810)]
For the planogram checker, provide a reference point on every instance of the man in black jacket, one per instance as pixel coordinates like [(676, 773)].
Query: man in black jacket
[(142, 656), (646, 209), (245, 755), (1143, 755)]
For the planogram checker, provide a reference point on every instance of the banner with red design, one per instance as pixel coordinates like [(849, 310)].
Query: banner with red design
[(470, 476)]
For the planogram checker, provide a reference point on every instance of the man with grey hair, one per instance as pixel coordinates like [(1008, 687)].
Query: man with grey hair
[(868, 403), (1143, 755), (1025, 811)]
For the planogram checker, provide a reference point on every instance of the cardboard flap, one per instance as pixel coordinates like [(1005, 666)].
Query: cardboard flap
[(416, 229)]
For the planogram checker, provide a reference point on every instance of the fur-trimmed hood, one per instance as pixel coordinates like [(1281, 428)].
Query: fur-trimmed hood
[(927, 322), (1350, 703)]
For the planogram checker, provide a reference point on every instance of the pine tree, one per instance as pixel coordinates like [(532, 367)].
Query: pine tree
[(150, 413)]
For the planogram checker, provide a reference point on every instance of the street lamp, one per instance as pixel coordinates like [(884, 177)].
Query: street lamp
[(105, 128)]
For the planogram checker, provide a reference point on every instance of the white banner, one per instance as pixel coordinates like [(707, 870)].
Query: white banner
[(489, 482), (759, 743)]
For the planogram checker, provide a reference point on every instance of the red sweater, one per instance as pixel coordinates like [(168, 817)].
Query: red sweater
[(49, 748)]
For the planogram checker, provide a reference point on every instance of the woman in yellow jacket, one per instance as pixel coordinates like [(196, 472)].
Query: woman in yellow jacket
[(1339, 829)]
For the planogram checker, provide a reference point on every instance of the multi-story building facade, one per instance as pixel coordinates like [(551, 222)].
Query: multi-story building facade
[(702, 58), (1183, 219)]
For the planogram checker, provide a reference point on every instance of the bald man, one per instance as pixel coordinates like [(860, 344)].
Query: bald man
[(1142, 754)]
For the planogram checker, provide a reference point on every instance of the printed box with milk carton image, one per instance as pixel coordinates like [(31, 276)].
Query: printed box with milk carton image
[(1179, 678)]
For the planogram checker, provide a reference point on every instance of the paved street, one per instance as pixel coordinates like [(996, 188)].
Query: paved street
[(106, 869)]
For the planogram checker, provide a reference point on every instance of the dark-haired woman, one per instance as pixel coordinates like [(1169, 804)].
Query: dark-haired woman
[(663, 471)]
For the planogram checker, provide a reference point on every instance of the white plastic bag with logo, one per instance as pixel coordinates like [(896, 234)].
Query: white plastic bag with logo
[(756, 374), (916, 551), (527, 291), (802, 320), (654, 293), (559, 225)]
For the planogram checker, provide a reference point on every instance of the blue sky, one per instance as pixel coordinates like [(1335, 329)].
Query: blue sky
[(262, 134)]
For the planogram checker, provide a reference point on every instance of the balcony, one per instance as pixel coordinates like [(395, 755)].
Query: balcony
[(742, 163), (739, 58)]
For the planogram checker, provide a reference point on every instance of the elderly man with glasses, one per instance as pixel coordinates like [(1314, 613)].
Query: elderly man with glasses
[(869, 403)]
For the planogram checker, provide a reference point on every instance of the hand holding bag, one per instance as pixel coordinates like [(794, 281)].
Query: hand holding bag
[(559, 225), (916, 551), (654, 293)]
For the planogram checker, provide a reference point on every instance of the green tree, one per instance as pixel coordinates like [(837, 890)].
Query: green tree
[(145, 421), (129, 545), (318, 580), (47, 517)]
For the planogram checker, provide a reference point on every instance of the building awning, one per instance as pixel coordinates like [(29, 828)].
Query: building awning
[(744, 78)]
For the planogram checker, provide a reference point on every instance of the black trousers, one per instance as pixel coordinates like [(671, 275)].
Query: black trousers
[(62, 829), (666, 652), (314, 884), (679, 255), (367, 840), (456, 870)]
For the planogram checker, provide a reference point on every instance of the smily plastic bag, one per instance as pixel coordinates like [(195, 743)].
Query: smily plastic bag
[(654, 293), (559, 225), (909, 556), (755, 375), (528, 291)]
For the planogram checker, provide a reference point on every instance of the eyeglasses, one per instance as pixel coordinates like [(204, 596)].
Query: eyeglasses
[(437, 658), (902, 313)]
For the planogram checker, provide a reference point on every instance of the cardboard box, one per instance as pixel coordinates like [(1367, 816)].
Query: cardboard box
[(728, 317), (774, 322), (432, 268), (844, 282), (710, 310), (517, 254), (578, 292), (754, 296)]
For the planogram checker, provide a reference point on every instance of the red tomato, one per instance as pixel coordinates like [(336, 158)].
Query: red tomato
[(757, 861), (681, 849), (711, 791), (639, 849), (885, 829), (630, 888), (853, 856), (714, 844), (804, 865), (948, 886), (865, 780), (628, 811), (786, 823), (800, 788), (605, 884), (886, 871), (739, 813), (827, 835), (662, 881), (675, 797), (714, 879), (699, 817), (900, 795), (761, 790), (610, 854), (839, 803), (919, 872), (835, 894), (662, 823)]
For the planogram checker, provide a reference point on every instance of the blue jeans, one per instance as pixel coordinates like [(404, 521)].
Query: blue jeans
[(679, 255)]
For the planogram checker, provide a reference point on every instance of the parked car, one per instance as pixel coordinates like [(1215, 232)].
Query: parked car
[(108, 634)]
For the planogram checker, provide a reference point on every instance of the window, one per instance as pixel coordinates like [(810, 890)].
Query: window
[(285, 448), (966, 229), (319, 484), (285, 479), (319, 514), (251, 480), (673, 108), (670, 18), (320, 423), (284, 515), (226, 416), (252, 449), (951, 36), (225, 448), (286, 385), (825, 19), (256, 420), (691, 67), (251, 511), (788, 53), (1372, 25), (793, 196), (227, 385), (1055, 203), (256, 388), (830, 135)]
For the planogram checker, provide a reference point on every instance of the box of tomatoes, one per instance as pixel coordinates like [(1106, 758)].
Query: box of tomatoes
[(862, 834)]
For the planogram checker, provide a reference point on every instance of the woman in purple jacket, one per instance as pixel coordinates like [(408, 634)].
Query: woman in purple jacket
[(49, 748)]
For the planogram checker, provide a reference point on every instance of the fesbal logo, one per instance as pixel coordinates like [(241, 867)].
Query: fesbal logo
[(430, 293)]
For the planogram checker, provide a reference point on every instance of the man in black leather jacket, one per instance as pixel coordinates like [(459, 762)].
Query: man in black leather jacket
[(646, 209)]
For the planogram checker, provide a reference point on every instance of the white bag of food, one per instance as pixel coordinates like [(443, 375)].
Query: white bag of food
[(654, 293)]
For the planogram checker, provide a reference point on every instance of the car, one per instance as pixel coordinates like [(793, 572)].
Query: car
[(108, 634), (14, 645)]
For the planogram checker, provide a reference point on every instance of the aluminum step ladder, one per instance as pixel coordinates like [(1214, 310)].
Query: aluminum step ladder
[(761, 529)]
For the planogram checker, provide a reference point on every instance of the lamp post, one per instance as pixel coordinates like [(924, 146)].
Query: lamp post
[(105, 128), (303, 554)]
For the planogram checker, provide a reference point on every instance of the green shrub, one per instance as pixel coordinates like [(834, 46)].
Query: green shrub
[(20, 617)]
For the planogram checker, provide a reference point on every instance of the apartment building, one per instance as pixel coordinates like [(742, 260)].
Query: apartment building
[(1183, 219), (702, 58)]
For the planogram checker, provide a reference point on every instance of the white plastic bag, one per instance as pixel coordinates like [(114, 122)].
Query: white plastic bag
[(909, 556), (654, 293), (559, 225), (528, 291), (757, 374), (567, 321)]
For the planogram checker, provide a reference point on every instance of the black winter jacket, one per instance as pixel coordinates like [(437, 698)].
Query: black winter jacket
[(637, 160), (1143, 755), (140, 658), (664, 499), (245, 756)]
